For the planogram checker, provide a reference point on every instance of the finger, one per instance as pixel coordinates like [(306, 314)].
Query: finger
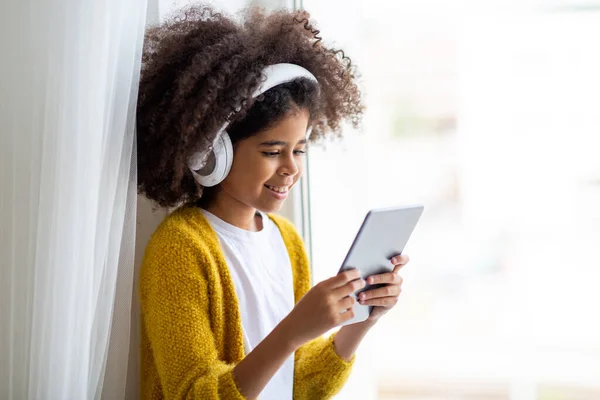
[(390, 290), (344, 277), (402, 259), (349, 288), (388, 277), (346, 316), (381, 302), (347, 302)]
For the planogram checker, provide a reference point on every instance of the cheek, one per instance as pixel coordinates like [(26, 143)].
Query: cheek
[(301, 165), (250, 172)]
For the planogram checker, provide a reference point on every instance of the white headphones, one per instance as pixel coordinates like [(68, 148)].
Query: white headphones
[(209, 169)]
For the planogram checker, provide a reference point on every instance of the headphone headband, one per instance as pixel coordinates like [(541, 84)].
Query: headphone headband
[(278, 74)]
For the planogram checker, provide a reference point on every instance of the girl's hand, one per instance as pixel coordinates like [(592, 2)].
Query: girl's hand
[(324, 307), (384, 298)]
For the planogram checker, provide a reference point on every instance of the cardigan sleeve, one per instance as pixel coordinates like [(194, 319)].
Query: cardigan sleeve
[(320, 373), (175, 315)]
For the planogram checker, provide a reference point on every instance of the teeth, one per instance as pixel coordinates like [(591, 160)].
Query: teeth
[(278, 189)]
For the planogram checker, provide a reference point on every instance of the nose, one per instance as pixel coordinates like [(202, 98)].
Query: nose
[(289, 167)]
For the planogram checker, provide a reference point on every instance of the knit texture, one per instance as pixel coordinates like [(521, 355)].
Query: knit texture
[(191, 324)]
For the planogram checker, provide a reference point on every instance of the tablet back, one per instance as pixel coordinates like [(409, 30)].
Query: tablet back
[(382, 235)]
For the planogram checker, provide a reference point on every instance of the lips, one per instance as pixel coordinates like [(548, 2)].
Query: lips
[(278, 189)]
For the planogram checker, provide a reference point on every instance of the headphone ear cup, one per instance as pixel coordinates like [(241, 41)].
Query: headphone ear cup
[(218, 164)]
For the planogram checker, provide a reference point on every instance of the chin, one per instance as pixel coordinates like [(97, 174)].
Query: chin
[(271, 207)]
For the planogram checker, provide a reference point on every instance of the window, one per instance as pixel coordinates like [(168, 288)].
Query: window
[(490, 118)]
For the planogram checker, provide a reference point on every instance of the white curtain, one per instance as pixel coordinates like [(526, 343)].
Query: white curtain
[(68, 85)]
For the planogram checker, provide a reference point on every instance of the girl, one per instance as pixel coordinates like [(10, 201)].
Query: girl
[(224, 114)]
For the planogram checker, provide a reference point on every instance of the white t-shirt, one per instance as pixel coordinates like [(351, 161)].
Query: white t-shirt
[(262, 276)]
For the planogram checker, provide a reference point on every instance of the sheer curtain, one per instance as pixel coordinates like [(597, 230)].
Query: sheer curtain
[(68, 88)]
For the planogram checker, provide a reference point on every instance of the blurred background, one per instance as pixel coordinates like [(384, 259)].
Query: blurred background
[(487, 113)]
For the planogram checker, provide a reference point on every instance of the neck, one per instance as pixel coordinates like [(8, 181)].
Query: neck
[(234, 212)]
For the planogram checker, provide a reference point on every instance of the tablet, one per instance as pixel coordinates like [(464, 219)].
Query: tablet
[(382, 235)]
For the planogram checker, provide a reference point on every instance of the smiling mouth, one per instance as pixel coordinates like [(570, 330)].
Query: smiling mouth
[(278, 189)]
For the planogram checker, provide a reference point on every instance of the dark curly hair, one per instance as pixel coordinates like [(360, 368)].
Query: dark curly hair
[(199, 66)]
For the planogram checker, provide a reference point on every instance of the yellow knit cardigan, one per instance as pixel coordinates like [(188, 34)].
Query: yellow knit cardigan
[(191, 326)]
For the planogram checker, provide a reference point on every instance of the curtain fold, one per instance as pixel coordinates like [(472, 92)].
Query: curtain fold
[(68, 88)]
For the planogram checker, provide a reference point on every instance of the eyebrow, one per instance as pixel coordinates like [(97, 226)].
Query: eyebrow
[(271, 143)]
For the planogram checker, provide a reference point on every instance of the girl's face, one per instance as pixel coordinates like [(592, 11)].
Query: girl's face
[(267, 165)]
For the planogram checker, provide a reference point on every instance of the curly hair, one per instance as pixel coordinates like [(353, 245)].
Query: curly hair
[(199, 66)]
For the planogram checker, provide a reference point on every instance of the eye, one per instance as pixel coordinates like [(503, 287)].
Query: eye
[(299, 152), (271, 153)]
